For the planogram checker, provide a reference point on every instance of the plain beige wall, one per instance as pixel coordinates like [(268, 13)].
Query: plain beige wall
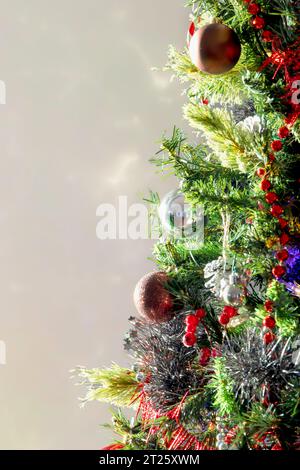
[(83, 114)]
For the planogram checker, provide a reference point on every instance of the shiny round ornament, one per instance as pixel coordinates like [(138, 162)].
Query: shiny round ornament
[(179, 218), (215, 49), (233, 294), (153, 302)]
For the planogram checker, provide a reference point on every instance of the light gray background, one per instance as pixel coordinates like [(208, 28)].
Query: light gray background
[(84, 112)]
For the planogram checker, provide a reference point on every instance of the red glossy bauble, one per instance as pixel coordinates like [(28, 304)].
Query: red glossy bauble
[(261, 172), (267, 36), (283, 223), (153, 302), (215, 49)]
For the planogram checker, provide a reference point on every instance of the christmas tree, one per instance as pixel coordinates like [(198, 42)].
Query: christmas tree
[(216, 342)]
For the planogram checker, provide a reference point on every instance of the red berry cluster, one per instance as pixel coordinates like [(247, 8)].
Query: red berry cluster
[(192, 322), (228, 313)]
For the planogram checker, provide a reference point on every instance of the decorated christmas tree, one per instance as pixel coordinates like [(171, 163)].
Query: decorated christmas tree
[(215, 343)]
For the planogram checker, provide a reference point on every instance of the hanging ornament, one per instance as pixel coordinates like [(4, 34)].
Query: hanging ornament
[(233, 294), (180, 220), (216, 277), (215, 49), (153, 302)]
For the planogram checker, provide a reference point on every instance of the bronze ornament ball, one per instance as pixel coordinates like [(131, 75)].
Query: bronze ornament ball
[(215, 49), (153, 302)]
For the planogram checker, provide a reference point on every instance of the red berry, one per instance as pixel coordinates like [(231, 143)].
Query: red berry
[(205, 354), (276, 145), (189, 340), (278, 271), (261, 172), (267, 36), (258, 22), (224, 319), (284, 239), (269, 322), (191, 322), (283, 132), (265, 185), (283, 223), (282, 255), (200, 313), (205, 102), (276, 210), (230, 311), (269, 338), (269, 306), (272, 157), (253, 8), (271, 198)]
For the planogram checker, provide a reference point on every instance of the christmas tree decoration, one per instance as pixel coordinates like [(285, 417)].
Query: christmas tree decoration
[(278, 271), (233, 294), (153, 302), (179, 219), (265, 185), (276, 146), (215, 49), (276, 210), (216, 364), (269, 322), (258, 22), (271, 198), (269, 306)]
